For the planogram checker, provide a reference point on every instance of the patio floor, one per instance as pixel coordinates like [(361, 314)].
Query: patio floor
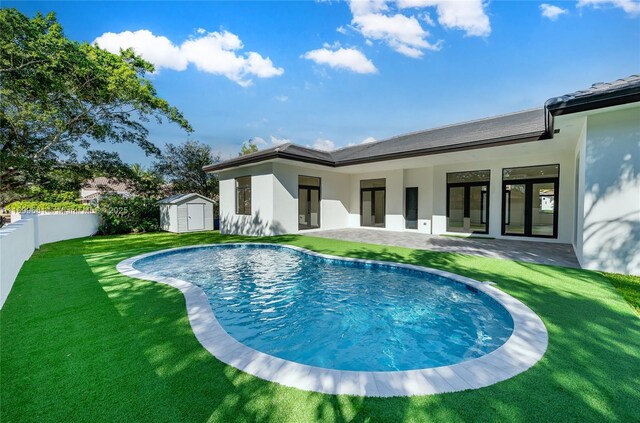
[(528, 251)]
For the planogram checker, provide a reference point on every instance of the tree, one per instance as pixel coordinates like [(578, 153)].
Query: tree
[(145, 183), (58, 94), (248, 147), (181, 166)]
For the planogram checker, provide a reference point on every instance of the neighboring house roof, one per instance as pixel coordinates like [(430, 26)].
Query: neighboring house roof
[(181, 198), (104, 182), (526, 126), (599, 95)]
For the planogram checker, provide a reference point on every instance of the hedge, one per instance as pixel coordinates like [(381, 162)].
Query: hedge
[(42, 206)]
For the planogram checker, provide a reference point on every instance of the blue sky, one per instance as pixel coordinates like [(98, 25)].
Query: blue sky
[(330, 74)]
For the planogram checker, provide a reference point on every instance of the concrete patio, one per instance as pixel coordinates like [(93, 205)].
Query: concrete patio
[(527, 251)]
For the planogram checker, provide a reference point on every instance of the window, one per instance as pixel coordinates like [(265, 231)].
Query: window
[(243, 195)]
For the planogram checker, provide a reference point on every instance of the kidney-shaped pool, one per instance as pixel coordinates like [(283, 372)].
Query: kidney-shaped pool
[(340, 314)]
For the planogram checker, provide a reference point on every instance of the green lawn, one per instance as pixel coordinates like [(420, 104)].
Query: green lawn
[(80, 342)]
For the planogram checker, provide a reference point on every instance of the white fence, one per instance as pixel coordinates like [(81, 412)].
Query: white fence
[(20, 238)]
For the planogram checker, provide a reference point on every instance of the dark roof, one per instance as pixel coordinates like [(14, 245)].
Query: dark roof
[(529, 125), (599, 95), (515, 127), (179, 198), (285, 151), (522, 126)]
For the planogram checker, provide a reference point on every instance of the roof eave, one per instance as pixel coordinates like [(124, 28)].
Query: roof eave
[(493, 142), (265, 157), (559, 107)]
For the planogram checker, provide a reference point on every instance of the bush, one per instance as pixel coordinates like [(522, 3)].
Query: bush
[(122, 215), (43, 206)]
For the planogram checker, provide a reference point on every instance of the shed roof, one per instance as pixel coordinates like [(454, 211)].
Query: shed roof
[(181, 198)]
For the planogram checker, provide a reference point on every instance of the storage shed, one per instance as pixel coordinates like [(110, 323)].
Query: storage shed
[(186, 213)]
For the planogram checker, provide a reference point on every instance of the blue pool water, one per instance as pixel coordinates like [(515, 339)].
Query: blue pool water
[(336, 314)]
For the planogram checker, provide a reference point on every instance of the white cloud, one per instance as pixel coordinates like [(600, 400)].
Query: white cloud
[(279, 141), (341, 29), (324, 144), (403, 34), (259, 141), (629, 6), (368, 140), (281, 98), (213, 52), (158, 50), (552, 12), (342, 58), (381, 20)]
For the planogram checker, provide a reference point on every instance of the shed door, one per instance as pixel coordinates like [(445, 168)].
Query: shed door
[(195, 217)]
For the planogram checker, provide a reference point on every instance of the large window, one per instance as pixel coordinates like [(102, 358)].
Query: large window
[(372, 202), (243, 195), (468, 201), (530, 203), (308, 202)]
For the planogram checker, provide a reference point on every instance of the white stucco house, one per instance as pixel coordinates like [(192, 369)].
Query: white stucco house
[(568, 172)]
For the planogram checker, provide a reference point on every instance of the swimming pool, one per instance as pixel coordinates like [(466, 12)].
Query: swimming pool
[(336, 315)]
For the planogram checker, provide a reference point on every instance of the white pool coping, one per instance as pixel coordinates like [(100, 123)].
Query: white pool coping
[(523, 349)]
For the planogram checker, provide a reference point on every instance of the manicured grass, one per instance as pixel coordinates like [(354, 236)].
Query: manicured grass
[(80, 342), (629, 287)]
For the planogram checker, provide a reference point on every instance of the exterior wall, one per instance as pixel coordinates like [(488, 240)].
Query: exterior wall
[(20, 238), (423, 179), (261, 221), (334, 197), (579, 172), (565, 196), (611, 238), (181, 220), (394, 201), (165, 218)]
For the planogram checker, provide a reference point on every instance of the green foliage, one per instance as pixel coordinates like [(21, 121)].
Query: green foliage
[(146, 183), (248, 147), (182, 164), (122, 215), (43, 206), (59, 94)]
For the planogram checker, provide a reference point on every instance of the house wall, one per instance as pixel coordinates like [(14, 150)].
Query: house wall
[(334, 195), (394, 201), (261, 221), (579, 181), (611, 238), (565, 196)]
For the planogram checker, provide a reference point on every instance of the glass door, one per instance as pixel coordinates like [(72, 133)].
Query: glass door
[(308, 202), (372, 203), (468, 201), (530, 206), (411, 208)]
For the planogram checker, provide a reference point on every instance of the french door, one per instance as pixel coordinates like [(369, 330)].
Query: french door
[(468, 207), (530, 207), (308, 202), (372, 207)]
